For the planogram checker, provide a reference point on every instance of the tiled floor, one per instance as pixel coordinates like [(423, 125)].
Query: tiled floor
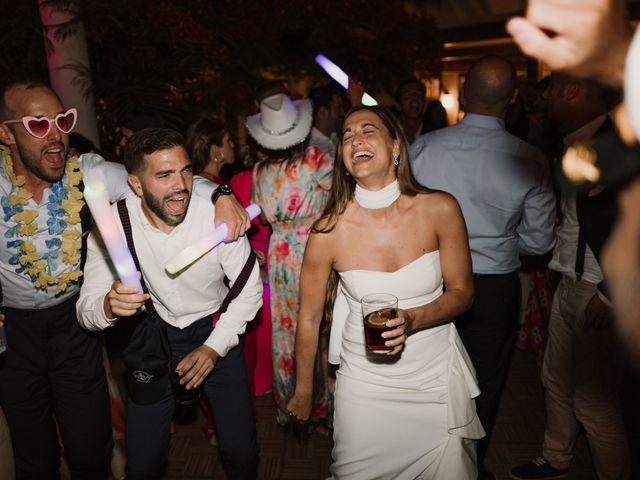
[(517, 439)]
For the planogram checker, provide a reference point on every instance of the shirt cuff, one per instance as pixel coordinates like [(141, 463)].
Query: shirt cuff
[(221, 341)]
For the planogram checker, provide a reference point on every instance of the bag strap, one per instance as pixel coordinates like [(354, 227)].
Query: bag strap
[(237, 287), (126, 226)]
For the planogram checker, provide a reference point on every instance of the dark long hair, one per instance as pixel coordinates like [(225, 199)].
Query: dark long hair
[(344, 185), (201, 136)]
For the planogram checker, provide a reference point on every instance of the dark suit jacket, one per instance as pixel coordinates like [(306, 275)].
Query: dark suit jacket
[(597, 213)]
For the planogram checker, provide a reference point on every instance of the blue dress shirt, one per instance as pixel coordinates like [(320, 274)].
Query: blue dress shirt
[(502, 184)]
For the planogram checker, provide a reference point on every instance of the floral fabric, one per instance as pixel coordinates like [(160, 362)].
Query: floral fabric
[(533, 333), (292, 196)]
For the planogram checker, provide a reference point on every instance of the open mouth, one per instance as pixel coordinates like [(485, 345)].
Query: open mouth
[(177, 204), (55, 156), (362, 155)]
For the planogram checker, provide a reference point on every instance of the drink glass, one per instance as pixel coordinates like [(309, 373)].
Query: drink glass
[(180, 392), (377, 308)]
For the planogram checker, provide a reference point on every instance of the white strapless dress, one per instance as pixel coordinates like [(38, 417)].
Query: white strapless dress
[(406, 417)]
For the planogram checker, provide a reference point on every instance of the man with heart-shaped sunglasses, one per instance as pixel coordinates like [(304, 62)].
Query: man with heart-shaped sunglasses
[(52, 367)]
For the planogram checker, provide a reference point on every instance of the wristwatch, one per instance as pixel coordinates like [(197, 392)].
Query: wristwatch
[(220, 191)]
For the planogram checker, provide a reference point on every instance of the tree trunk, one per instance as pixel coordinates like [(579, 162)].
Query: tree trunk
[(66, 59)]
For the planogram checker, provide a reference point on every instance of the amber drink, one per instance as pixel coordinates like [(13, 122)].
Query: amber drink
[(377, 308)]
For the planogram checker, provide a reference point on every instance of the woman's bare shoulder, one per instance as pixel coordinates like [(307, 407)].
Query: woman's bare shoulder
[(437, 202)]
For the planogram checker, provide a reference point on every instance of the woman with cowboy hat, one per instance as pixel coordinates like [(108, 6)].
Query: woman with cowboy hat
[(291, 184)]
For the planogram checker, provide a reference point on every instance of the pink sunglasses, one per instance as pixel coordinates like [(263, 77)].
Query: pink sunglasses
[(40, 127)]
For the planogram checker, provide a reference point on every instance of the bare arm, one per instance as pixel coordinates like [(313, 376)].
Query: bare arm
[(455, 261), (586, 38), (316, 268)]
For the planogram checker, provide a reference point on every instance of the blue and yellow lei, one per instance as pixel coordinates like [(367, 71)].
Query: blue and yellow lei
[(65, 203)]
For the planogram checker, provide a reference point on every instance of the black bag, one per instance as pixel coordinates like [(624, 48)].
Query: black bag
[(147, 359), (147, 355)]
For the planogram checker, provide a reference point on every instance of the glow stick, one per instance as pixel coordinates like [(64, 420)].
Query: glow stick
[(339, 75), (97, 198), (193, 252)]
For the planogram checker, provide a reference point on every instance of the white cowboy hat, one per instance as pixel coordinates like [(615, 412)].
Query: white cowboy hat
[(281, 123)]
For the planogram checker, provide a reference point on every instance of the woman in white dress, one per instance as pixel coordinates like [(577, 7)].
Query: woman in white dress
[(409, 413)]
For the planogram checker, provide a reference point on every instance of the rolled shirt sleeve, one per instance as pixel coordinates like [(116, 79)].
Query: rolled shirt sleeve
[(99, 275)]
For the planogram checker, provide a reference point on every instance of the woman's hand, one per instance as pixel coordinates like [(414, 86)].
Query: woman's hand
[(299, 407), (397, 337)]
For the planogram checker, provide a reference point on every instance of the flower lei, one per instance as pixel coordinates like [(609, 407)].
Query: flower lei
[(65, 203)]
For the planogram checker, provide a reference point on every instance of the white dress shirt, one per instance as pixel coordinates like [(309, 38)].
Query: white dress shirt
[(564, 254), (18, 289), (179, 299)]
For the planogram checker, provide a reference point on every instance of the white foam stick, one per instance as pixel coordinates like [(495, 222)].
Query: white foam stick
[(193, 252), (339, 75), (97, 198)]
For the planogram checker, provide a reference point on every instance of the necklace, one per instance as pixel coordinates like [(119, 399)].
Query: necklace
[(65, 203), (379, 199)]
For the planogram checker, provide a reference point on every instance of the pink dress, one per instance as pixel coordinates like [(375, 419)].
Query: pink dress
[(257, 339)]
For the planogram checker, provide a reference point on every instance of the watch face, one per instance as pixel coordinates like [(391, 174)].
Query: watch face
[(220, 191)]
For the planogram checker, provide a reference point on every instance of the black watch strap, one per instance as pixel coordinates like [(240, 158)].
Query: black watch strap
[(220, 191)]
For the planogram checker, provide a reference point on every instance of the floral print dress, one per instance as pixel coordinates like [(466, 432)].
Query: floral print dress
[(292, 195)]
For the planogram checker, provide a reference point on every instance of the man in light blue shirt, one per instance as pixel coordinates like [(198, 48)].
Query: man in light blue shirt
[(503, 187)]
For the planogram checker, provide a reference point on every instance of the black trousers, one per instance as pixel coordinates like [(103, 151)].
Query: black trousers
[(227, 392), (52, 367), (489, 330)]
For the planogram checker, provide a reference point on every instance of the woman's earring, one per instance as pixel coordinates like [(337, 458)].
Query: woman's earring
[(395, 160)]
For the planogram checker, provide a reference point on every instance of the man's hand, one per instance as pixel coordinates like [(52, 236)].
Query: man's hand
[(123, 300), (229, 211), (585, 38), (194, 368), (597, 314)]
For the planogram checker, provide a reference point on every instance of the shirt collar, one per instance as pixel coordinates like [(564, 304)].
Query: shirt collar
[(484, 121)]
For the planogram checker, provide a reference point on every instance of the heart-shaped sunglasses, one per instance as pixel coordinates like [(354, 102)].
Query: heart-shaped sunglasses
[(40, 127)]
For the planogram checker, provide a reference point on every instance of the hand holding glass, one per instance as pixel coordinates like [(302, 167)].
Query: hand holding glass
[(377, 309)]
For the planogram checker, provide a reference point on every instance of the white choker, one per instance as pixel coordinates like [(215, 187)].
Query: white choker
[(380, 199)]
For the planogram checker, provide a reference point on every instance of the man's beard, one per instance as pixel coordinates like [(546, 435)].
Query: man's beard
[(37, 166), (156, 205)]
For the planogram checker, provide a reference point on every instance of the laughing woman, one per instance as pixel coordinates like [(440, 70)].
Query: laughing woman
[(407, 413)]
